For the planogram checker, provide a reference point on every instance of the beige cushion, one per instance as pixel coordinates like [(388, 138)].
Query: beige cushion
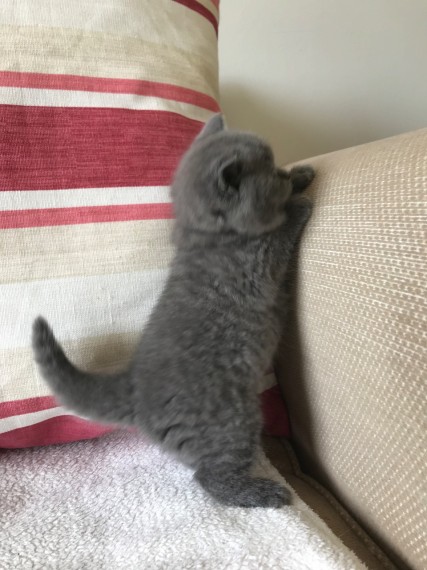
[(354, 365)]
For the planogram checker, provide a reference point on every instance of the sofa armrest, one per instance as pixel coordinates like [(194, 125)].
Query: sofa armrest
[(353, 365)]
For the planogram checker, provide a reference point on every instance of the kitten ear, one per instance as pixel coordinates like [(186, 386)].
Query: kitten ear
[(214, 125), (231, 174)]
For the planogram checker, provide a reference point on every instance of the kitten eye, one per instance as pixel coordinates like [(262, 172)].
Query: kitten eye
[(231, 174)]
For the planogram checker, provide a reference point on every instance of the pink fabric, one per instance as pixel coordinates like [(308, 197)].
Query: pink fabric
[(61, 429), (54, 148), (107, 85), (27, 406), (66, 428), (84, 215), (276, 420)]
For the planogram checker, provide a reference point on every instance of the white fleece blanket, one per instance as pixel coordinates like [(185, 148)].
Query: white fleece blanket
[(120, 503)]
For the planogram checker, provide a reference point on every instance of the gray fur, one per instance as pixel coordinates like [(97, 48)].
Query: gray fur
[(191, 385)]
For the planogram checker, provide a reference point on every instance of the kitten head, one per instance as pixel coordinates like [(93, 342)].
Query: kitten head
[(228, 182)]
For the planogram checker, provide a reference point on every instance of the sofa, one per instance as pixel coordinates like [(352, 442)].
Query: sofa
[(353, 365)]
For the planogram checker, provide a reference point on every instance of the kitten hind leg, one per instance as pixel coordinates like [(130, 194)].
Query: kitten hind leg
[(224, 472)]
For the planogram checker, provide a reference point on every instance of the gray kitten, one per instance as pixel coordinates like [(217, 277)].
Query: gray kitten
[(191, 385)]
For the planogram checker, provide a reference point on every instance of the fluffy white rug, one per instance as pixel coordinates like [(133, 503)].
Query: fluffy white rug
[(120, 503)]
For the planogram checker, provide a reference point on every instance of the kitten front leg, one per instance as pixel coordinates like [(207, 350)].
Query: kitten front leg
[(301, 177), (299, 210), (284, 240)]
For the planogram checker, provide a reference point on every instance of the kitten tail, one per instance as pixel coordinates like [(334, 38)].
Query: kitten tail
[(101, 397)]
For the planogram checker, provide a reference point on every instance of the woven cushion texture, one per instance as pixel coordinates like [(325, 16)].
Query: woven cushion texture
[(98, 101), (354, 367)]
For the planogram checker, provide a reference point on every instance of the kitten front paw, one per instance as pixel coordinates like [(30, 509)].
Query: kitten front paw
[(301, 177)]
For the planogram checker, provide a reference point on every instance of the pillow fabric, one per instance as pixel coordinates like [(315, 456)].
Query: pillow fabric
[(98, 101)]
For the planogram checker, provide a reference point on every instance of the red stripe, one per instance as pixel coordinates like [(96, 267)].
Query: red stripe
[(62, 429), (200, 9), (89, 215), (48, 148), (107, 85), (27, 406), (276, 421), (215, 3)]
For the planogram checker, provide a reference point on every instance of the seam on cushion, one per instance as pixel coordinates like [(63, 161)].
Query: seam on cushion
[(337, 506)]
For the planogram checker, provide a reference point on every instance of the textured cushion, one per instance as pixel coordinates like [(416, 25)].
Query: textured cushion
[(354, 368), (98, 100)]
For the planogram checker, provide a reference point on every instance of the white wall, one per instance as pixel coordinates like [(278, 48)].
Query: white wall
[(318, 75)]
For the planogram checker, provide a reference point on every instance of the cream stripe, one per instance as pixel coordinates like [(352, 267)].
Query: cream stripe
[(75, 52), (19, 377), (133, 18), (79, 306), (16, 422), (87, 249), (80, 197), (63, 98)]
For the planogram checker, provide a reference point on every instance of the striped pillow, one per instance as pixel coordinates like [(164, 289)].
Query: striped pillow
[(98, 101)]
